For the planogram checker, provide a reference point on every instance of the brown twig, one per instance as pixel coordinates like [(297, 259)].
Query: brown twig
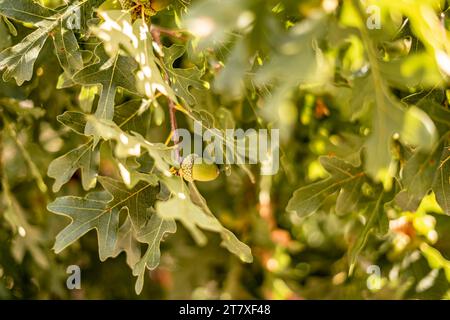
[(156, 35), (169, 32), (173, 125)]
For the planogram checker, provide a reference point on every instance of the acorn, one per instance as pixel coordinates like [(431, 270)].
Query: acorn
[(194, 170)]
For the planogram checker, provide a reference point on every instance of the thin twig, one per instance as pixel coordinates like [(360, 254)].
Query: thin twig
[(156, 35), (169, 32)]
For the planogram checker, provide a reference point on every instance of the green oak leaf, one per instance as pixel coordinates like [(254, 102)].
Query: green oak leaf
[(152, 234), (26, 11), (67, 49), (109, 73), (182, 79), (131, 175), (390, 118), (132, 116), (136, 200), (84, 157), (86, 215), (132, 144), (235, 246), (190, 215), (93, 213), (418, 176), (74, 120), (344, 177), (129, 116), (137, 43), (359, 104), (189, 207), (441, 185), (413, 126), (376, 221), (126, 242), (18, 61), (229, 240), (349, 197)]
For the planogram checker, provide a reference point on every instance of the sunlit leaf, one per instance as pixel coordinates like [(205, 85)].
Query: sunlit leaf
[(182, 79), (110, 74), (19, 60)]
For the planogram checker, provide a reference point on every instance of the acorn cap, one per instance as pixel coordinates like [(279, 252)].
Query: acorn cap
[(186, 167)]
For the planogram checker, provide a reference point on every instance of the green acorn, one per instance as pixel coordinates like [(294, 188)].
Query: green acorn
[(192, 171)]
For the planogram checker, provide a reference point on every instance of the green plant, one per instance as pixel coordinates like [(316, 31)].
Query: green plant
[(92, 95)]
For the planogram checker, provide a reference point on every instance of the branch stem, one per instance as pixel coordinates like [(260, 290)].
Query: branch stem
[(156, 35)]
